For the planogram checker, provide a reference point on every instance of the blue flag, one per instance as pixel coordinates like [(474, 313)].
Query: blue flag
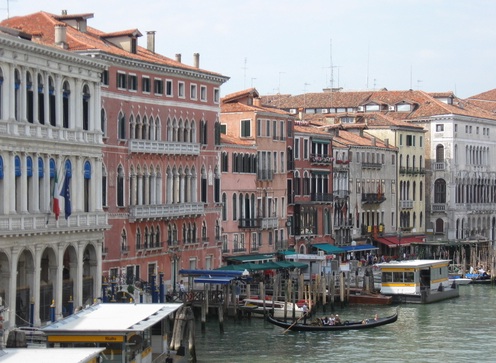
[(66, 193)]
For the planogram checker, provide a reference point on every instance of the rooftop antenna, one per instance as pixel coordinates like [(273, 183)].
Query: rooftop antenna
[(244, 76), (411, 77), (8, 8)]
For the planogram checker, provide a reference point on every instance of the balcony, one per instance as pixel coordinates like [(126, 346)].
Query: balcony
[(438, 207), (341, 194), (46, 132), (249, 223), (165, 211), (371, 166), (265, 174), (406, 204), (439, 166), (411, 170), (163, 147), (373, 198), (341, 164), (321, 197), (270, 222), (321, 159), (43, 224)]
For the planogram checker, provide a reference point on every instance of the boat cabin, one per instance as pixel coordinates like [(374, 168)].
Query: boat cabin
[(128, 332), (421, 281)]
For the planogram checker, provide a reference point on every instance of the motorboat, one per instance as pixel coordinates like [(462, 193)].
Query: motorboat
[(278, 309)]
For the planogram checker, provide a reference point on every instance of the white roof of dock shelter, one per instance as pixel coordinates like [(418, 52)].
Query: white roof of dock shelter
[(113, 317), (49, 355), (412, 263)]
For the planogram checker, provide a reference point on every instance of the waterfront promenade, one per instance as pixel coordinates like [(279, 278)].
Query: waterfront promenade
[(456, 330)]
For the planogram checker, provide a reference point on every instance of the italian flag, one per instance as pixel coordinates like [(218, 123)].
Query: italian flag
[(55, 203)]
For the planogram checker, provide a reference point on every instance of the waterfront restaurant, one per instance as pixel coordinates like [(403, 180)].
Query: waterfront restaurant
[(417, 281), (128, 332)]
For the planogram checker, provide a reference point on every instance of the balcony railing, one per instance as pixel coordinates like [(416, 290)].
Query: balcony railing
[(165, 211), (438, 207), (411, 170), (341, 194), (163, 147), (265, 174), (439, 165), (406, 204), (321, 197), (249, 223), (371, 165), (373, 198), (322, 159), (41, 223)]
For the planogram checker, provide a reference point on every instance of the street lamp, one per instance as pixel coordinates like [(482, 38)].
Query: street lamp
[(400, 234)]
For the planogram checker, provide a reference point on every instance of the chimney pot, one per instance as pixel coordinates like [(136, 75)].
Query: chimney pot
[(61, 35), (178, 57), (196, 57), (150, 41)]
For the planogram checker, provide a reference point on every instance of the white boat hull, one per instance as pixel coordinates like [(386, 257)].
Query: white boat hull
[(461, 281)]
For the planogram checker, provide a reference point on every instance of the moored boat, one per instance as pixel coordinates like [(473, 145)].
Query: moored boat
[(278, 309), (317, 324)]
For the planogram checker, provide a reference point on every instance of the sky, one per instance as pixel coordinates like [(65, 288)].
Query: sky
[(296, 47)]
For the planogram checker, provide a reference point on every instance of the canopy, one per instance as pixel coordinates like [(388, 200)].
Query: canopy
[(359, 248), (326, 247), (252, 258), (221, 280), (216, 272), (271, 265), (394, 241)]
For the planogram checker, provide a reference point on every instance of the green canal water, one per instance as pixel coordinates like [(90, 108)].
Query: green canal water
[(457, 330)]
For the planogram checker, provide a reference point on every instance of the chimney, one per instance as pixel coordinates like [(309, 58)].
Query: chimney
[(178, 57), (386, 142), (257, 102), (373, 141), (150, 41), (61, 36), (196, 62), (64, 12)]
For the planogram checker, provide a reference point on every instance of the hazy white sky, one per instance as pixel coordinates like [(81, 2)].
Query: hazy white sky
[(289, 46)]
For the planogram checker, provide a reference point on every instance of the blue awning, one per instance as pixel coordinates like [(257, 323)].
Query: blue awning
[(221, 280), (359, 248), (326, 247)]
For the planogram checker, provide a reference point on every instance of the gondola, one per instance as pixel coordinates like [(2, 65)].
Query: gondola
[(316, 325)]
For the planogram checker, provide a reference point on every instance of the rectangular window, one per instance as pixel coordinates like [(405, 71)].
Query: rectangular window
[(245, 128), (267, 128), (169, 90), (180, 89), (121, 80), (290, 128), (259, 127), (421, 141), (409, 140), (439, 127), (145, 84), (203, 93), (305, 149), (297, 148), (281, 131), (132, 82), (105, 78), (274, 130), (223, 129), (216, 95), (158, 86), (193, 92)]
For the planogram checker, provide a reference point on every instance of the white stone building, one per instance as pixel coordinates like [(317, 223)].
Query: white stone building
[(49, 129)]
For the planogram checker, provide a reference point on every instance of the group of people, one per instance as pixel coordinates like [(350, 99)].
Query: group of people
[(333, 320)]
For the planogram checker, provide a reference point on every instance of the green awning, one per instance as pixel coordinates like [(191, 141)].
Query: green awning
[(326, 247), (252, 258), (321, 141)]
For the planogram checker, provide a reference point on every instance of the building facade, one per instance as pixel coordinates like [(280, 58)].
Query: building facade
[(50, 157)]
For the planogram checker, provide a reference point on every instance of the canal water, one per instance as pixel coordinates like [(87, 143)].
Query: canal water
[(457, 330)]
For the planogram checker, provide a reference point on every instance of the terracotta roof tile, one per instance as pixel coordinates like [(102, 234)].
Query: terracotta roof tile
[(41, 26)]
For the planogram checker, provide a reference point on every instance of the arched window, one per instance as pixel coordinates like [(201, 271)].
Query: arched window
[(66, 97), (41, 100), (439, 154), (51, 102), (29, 175), (86, 107), (120, 186), (440, 191), (103, 122), (138, 238), (29, 98), (224, 207), (124, 241), (439, 226), (104, 186), (87, 186), (121, 132), (17, 174), (234, 207)]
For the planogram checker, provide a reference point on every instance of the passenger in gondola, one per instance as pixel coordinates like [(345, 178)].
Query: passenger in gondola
[(337, 320), (326, 321)]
